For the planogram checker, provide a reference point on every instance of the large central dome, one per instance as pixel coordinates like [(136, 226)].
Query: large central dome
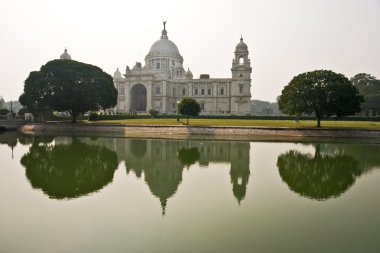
[(164, 48), (163, 54)]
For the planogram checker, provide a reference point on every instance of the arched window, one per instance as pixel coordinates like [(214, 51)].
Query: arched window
[(241, 60)]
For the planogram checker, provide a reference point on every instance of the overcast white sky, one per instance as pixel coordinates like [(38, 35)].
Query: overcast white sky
[(285, 38)]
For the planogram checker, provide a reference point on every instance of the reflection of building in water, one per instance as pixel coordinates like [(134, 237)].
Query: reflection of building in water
[(162, 161), (162, 168)]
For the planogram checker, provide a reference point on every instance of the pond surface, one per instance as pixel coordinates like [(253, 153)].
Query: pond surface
[(106, 194)]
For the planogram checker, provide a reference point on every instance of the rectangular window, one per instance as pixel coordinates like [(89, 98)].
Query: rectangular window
[(121, 91), (173, 91), (158, 65), (209, 92), (241, 89), (183, 92), (202, 106), (173, 105), (222, 91), (202, 91), (196, 92), (158, 90)]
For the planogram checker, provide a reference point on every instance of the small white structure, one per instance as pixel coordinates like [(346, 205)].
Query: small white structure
[(29, 117), (163, 81)]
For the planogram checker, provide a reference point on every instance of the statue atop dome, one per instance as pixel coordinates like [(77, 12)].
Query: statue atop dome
[(164, 32)]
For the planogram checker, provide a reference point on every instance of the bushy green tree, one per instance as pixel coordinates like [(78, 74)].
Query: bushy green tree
[(66, 85), (369, 88), (189, 107), (22, 111), (2, 103), (320, 92)]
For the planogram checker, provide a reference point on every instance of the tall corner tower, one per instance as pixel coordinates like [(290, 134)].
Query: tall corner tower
[(241, 80)]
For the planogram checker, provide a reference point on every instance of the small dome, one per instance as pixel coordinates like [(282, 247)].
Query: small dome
[(189, 74), (117, 74), (241, 46), (65, 56)]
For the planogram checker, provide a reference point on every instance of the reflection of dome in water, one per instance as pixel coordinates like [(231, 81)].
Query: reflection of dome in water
[(163, 181), (138, 147)]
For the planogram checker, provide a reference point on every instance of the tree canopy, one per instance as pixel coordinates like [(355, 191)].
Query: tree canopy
[(320, 92), (369, 88), (66, 85), (189, 107)]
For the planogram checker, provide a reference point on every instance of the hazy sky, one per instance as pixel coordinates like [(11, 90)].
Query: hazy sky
[(284, 38)]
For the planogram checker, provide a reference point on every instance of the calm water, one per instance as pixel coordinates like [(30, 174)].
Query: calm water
[(98, 194)]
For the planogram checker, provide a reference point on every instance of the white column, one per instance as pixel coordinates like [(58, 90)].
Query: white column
[(148, 96)]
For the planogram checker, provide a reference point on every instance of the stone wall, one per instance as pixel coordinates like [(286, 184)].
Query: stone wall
[(148, 131)]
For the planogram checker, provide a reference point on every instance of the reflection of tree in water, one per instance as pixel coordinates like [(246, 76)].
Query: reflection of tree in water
[(9, 138), (188, 156), (69, 171), (319, 177)]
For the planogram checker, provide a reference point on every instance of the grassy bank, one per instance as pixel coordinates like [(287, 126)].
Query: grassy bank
[(246, 122)]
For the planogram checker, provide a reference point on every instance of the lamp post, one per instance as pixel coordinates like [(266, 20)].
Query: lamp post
[(11, 109), (177, 110)]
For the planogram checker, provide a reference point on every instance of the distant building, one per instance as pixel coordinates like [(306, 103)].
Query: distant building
[(163, 81), (65, 55)]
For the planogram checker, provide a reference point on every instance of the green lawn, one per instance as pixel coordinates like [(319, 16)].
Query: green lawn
[(239, 122)]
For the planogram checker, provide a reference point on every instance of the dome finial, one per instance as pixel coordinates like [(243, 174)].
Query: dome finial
[(241, 38), (164, 32)]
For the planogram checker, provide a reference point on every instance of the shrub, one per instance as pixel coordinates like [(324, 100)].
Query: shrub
[(153, 112), (93, 116)]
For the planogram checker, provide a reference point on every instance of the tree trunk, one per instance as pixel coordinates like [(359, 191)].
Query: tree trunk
[(318, 121), (187, 120), (74, 117)]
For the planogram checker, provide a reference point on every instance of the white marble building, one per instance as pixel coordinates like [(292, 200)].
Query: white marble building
[(163, 81)]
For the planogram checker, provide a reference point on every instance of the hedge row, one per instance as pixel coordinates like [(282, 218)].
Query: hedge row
[(242, 117), (254, 117)]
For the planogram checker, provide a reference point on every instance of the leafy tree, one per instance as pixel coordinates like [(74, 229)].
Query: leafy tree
[(369, 88), (2, 103), (66, 85), (22, 111), (321, 92), (189, 107), (4, 111)]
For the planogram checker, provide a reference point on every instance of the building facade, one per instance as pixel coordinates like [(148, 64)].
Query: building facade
[(162, 82)]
